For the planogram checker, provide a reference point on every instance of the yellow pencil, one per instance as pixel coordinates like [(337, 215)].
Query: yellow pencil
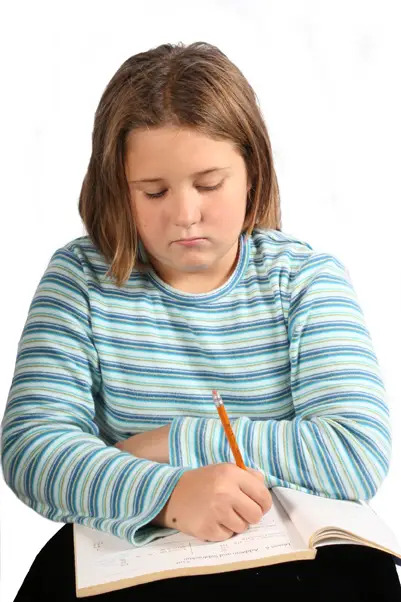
[(227, 429)]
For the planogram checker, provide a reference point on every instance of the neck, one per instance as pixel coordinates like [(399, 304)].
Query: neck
[(202, 281)]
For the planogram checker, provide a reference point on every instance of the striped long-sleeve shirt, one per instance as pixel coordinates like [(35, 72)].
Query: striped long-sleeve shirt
[(283, 340)]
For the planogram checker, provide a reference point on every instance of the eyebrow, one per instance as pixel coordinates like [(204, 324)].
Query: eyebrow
[(197, 173)]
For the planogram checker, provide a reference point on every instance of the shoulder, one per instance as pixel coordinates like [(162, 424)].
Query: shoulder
[(81, 247), (274, 249), (277, 241), (290, 258), (82, 254)]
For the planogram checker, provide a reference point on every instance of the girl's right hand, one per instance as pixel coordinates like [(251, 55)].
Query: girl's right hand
[(216, 501)]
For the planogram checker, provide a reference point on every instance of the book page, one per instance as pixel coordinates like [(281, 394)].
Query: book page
[(102, 558), (312, 514)]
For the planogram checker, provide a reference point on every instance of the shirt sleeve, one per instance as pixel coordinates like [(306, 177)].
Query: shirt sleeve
[(338, 443), (52, 456)]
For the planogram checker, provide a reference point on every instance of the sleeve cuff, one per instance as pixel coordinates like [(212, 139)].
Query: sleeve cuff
[(145, 531)]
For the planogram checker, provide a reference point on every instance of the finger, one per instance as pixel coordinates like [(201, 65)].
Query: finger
[(248, 509), (219, 533), (257, 473), (234, 522), (257, 491)]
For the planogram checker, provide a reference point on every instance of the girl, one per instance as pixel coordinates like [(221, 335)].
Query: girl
[(185, 283)]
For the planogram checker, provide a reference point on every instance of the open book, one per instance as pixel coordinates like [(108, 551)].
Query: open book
[(294, 527)]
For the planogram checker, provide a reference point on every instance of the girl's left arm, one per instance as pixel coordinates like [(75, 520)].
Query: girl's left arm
[(338, 443)]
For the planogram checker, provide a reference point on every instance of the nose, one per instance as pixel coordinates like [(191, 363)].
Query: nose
[(185, 209)]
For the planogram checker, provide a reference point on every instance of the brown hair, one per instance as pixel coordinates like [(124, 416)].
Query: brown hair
[(189, 86)]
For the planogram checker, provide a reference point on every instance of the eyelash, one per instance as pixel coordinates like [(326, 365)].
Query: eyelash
[(158, 195)]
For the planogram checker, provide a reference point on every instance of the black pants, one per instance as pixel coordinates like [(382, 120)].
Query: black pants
[(339, 573)]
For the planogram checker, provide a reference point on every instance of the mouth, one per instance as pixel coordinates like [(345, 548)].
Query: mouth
[(190, 242)]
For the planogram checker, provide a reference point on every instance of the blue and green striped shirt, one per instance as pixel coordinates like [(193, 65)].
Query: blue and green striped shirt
[(283, 340)]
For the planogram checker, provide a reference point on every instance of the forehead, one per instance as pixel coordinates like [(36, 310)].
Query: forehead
[(169, 146)]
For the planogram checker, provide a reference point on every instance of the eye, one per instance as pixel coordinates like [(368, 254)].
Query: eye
[(158, 195)]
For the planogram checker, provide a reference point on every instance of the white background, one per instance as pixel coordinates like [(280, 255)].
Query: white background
[(327, 76)]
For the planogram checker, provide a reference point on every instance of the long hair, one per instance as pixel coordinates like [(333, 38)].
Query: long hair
[(195, 86)]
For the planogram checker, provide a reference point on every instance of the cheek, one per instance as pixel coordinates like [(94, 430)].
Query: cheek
[(230, 209), (146, 217)]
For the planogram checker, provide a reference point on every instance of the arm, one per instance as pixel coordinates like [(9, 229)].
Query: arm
[(52, 456), (338, 442)]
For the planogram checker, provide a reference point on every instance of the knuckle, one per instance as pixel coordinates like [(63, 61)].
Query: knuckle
[(217, 534), (256, 516), (242, 527), (257, 473), (219, 503), (206, 528), (267, 502), (225, 470), (225, 536)]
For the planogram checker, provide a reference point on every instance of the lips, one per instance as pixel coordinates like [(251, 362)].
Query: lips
[(191, 242)]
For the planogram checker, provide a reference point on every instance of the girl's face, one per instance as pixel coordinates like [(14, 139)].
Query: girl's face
[(173, 201)]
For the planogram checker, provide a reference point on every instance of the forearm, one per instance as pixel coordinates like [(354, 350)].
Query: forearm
[(71, 476), (152, 445), (334, 455)]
